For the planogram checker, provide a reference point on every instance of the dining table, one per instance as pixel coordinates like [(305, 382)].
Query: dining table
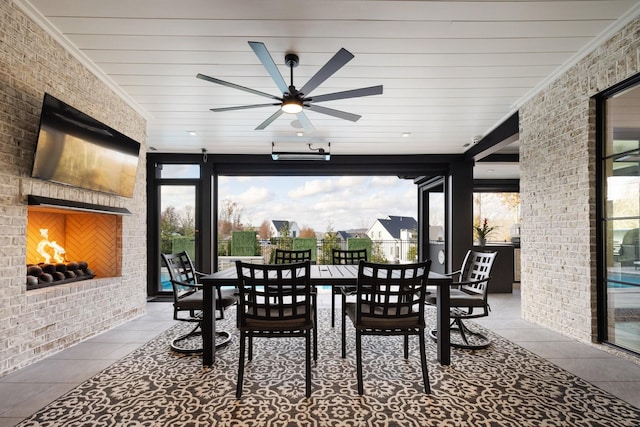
[(323, 275)]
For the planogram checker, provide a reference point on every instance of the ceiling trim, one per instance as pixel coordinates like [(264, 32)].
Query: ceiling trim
[(57, 35), (596, 42)]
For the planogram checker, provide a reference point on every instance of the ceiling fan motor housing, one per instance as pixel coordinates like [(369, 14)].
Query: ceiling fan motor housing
[(292, 60)]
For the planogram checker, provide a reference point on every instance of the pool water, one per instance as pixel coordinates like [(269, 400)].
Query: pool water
[(623, 280)]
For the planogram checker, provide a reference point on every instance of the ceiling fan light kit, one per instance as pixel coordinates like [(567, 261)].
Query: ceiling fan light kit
[(291, 106), (294, 101)]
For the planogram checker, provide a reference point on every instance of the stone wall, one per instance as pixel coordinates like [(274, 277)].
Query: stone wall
[(40, 322), (557, 162)]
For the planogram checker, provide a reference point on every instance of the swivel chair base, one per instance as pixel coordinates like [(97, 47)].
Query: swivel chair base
[(463, 337), (222, 338)]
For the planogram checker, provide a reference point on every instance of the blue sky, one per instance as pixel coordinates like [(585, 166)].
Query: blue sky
[(341, 203)]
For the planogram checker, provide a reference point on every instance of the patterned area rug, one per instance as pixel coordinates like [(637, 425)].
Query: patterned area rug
[(504, 385)]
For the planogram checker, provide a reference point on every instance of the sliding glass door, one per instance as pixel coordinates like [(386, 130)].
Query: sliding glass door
[(619, 296)]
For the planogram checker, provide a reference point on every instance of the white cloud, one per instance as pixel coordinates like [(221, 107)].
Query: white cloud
[(310, 188), (318, 202)]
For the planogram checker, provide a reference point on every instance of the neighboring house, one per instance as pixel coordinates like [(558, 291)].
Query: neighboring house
[(343, 235), (277, 225), (395, 234)]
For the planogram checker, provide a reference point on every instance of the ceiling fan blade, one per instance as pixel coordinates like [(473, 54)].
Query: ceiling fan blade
[(355, 93), (271, 118), (305, 122), (241, 107), (338, 61), (335, 113), (265, 57), (235, 86)]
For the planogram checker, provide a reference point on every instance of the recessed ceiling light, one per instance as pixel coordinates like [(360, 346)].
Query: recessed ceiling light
[(192, 132), (300, 134), (406, 134)]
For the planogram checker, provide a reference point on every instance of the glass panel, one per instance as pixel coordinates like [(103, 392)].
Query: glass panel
[(179, 171), (177, 225), (622, 195), (290, 212), (621, 245), (436, 231), (623, 132), (502, 212)]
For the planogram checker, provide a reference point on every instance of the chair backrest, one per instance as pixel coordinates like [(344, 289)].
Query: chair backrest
[(181, 272), (476, 272), (351, 256), (391, 293), (283, 256), (275, 292)]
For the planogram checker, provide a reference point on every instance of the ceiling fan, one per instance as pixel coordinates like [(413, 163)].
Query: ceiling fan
[(293, 101)]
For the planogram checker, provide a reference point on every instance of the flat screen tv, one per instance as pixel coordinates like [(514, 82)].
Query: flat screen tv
[(78, 150)]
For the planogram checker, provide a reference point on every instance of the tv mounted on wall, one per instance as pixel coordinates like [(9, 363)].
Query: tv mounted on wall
[(78, 150)]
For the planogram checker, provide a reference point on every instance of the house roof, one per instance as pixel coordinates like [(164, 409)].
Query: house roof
[(393, 224), (278, 223)]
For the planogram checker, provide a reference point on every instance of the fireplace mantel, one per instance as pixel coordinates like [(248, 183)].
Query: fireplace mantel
[(48, 202)]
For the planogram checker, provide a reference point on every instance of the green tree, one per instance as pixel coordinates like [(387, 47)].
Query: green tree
[(377, 255), (330, 242)]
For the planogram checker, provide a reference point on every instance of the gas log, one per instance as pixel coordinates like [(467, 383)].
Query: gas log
[(43, 274)]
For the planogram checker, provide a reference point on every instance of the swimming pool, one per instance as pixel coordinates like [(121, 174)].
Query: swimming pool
[(619, 280)]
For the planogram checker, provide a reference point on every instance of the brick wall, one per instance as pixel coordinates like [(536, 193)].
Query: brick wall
[(557, 162), (38, 323)]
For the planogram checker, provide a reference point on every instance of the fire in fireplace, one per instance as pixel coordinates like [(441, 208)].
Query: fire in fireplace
[(55, 269)]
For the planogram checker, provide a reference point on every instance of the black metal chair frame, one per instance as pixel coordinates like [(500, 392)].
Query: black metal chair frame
[(283, 256), (469, 299), (276, 301), (187, 297), (390, 300), (344, 257)]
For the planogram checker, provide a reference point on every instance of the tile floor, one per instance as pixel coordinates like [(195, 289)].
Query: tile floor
[(27, 390)]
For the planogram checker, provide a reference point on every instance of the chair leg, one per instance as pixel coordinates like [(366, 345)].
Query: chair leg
[(406, 346), (250, 348), (240, 366), (307, 358), (423, 362), (344, 327), (359, 362), (333, 307), (315, 328)]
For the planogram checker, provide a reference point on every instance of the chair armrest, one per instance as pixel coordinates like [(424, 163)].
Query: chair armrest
[(187, 285), (453, 273), (473, 282)]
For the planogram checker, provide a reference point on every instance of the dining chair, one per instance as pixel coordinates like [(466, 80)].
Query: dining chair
[(389, 300), (344, 257), (188, 298), (283, 256), (468, 299), (276, 301)]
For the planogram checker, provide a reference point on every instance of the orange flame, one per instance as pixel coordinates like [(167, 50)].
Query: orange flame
[(50, 249)]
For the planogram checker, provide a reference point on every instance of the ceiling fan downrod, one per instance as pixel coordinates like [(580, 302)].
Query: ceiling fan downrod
[(292, 61)]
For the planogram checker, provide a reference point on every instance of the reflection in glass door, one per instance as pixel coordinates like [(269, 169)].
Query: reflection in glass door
[(177, 225), (620, 285), (433, 214)]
